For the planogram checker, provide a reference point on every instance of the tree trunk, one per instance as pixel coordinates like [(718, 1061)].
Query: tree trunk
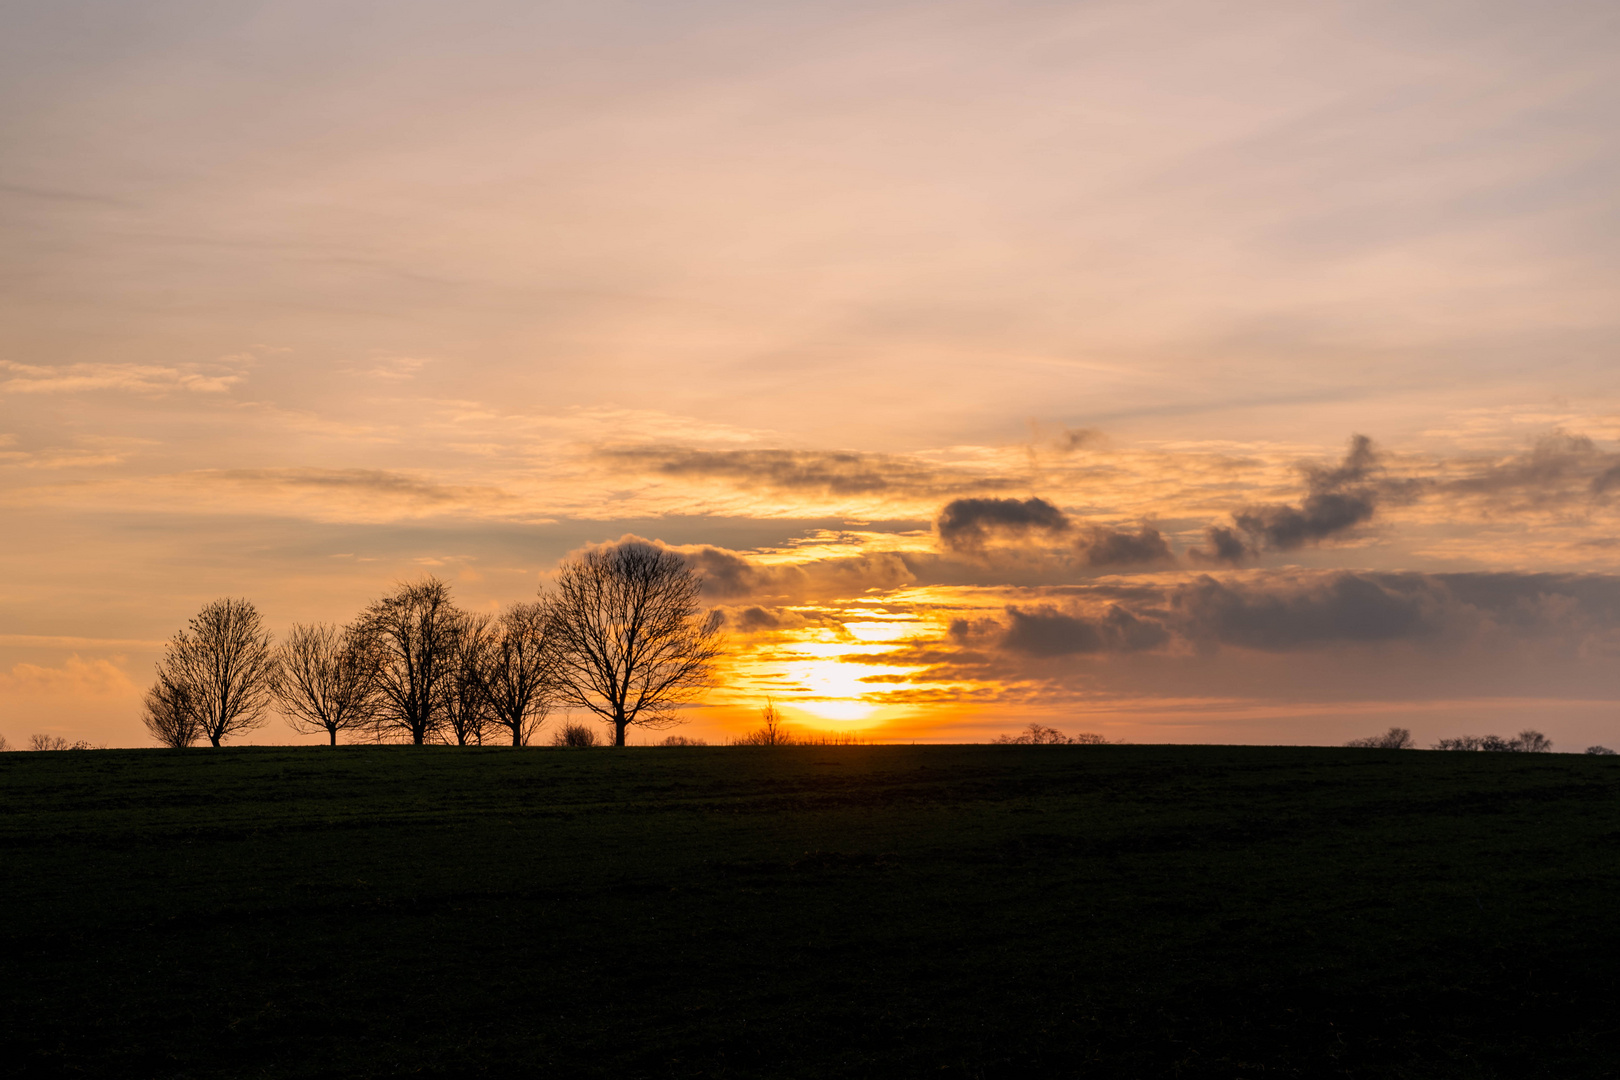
[(618, 730), (214, 738), (333, 733), (517, 736)]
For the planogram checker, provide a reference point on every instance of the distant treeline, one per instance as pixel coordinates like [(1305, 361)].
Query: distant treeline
[(1528, 741)]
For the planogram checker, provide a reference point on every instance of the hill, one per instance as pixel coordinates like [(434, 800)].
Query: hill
[(809, 912)]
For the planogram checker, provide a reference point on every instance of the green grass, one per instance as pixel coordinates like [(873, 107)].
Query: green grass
[(1128, 911)]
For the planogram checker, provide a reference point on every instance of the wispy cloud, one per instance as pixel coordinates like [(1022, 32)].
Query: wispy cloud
[(142, 379)]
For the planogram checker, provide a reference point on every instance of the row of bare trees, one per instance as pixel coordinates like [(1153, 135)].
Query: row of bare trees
[(621, 635)]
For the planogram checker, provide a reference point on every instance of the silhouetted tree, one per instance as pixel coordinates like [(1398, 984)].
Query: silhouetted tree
[(327, 680), (686, 740), (1600, 750), (520, 671), (170, 715), (1040, 735), (1396, 738), (631, 643), (4, 745), (466, 701), (224, 664), (414, 633), (771, 731)]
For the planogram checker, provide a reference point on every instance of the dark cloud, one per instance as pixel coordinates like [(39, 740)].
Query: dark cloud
[(1337, 499), (831, 472), (1225, 546), (1307, 611), (1111, 547), (1046, 631), (1299, 614), (966, 524)]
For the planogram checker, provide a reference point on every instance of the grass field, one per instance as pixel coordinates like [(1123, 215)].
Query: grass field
[(1129, 911)]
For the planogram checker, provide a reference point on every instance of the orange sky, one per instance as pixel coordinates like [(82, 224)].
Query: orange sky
[(301, 301)]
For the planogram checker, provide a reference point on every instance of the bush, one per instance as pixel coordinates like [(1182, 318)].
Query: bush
[(56, 742), (680, 740), (4, 746), (1598, 750), (1038, 735), (576, 734), (1527, 741), (1396, 738)]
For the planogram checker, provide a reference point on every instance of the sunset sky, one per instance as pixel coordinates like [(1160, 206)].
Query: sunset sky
[(1179, 371)]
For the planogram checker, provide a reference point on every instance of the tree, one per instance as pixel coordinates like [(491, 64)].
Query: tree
[(771, 732), (630, 642), (170, 715), (1396, 738), (466, 702), (327, 680), (414, 633), (224, 666), (1041, 735), (519, 671)]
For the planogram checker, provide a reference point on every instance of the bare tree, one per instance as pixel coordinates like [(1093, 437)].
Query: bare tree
[(771, 731), (466, 703), (170, 715), (1396, 738), (327, 680), (631, 643), (414, 633), (4, 745), (1041, 735), (520, 674), (225, 663)]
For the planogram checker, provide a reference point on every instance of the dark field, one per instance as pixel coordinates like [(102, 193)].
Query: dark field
[(1129, 911)]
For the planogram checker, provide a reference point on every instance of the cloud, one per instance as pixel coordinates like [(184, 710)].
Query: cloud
[(396, 485), (1103, 546), (1046, 631), (145, 379), (965, 524), (1337, 500), (1306, 611), (75, 678), (1560, 466), (821, 471)]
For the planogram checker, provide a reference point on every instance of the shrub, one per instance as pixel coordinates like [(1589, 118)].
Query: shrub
[(1396, 738), (56, 742), (1527, 741), (574, 733), (680, 740), (1038, 735), (4, 746), (1589, 750)]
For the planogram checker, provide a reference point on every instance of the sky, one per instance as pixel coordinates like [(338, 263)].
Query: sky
[(1176, 371)]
